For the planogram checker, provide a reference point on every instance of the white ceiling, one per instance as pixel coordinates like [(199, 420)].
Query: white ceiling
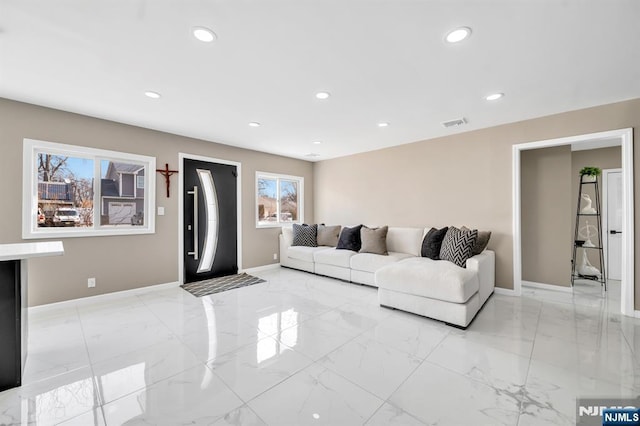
[(382, 60)]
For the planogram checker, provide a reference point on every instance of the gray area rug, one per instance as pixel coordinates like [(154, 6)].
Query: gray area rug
[(217, 285)]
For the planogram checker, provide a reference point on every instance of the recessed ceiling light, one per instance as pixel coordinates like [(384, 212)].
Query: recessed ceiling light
[(494, 96), (457, 35), (204, 34), (254, 124), (317, 142), (323, 95), (152, 95), (383, 124)]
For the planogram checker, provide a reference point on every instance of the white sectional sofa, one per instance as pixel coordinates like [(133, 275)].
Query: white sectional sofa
[(432, 288)]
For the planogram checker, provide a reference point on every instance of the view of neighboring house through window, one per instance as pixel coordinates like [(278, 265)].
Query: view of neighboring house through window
[(122, 198), (78, 191), (279, 199)]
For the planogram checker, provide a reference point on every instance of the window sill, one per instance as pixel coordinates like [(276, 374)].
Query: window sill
[(78, 233)]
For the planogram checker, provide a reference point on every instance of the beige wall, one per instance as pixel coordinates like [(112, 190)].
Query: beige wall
[(545, 224), (459, 179), (125, 262)]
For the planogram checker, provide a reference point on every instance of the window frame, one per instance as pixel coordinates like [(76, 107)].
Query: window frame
[(277, 177), (30, 229)]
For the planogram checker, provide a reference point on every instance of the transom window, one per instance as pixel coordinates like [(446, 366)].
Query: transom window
[(73, 191), (279, 199)]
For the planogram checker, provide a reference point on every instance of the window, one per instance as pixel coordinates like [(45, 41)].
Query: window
[(73, 191), (279, 199)]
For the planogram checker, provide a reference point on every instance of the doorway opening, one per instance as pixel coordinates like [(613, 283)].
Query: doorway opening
[(624, 138), (209, 218)]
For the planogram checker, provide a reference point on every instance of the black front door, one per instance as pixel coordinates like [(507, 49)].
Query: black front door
[(210, 220)]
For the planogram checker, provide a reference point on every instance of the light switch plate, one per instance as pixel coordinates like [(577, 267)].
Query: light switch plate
[(160, 211)]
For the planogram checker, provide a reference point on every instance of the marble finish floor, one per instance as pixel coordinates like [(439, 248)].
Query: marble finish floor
[(306, 350)]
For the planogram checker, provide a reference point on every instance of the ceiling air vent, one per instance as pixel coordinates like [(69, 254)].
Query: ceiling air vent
[(312, 155), (454, 123)]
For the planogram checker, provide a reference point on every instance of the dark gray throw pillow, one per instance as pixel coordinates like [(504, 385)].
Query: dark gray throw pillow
[(481, 242), (328, 235), (350, 239), (432, 243), (305, 235), (374, 240), (457, 245)]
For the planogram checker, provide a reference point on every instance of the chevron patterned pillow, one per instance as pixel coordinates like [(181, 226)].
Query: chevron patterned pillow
[(457, 245), (305, 235)]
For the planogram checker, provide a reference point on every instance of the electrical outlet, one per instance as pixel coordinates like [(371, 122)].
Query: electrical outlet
[(91, 282), (275, 256)]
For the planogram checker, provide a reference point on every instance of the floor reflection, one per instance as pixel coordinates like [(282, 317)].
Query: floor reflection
[(275, 323)]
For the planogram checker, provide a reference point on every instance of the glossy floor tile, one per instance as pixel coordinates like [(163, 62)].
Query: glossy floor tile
[(303, 349)]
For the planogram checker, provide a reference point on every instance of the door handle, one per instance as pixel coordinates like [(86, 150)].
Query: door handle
[(194, 253), (613, 232)]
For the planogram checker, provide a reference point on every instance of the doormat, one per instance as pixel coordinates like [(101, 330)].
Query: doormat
[(218, 285)]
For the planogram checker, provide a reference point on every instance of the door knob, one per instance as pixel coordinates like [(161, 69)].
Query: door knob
[(613, 232)]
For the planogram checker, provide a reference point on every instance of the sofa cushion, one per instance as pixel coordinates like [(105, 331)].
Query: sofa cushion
[(350, 239), (457, 245), (304, 253), (334, 257), (305, 235), (328, 235), (374, 240), (405, 240), (432, 243), (435, 279), (369, 262)]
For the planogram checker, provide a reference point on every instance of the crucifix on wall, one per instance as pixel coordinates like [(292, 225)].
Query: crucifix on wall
[(167, 174)]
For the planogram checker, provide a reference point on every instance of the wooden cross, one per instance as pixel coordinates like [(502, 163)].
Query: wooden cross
[(167, 174)]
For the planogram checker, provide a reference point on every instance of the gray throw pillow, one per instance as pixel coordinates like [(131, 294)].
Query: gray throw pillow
[(457, 245), (305, 235), (328, 235), (374, 240), (481, 242)]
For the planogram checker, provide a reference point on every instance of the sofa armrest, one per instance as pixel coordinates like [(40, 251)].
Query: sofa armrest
[(484, 264), (284, 246)]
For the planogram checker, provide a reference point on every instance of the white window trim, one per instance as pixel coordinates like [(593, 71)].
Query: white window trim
[(30, 228), (278, 176)]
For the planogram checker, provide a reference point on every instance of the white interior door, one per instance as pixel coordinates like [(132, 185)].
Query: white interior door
[(613, 198)]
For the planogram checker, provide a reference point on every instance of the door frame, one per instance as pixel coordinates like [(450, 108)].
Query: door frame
[(605, 213), (181, 157), (625, 136)]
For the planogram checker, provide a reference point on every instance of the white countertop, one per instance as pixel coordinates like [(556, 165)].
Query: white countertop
[(28, 250)]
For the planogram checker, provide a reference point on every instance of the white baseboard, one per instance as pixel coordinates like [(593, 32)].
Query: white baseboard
[(106, 296), (505, 291), (636, 314), (547, 286), (261, 268)]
